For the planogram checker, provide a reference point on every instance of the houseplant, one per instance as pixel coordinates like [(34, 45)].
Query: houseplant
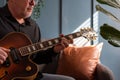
[(108, 32), (37, 8)]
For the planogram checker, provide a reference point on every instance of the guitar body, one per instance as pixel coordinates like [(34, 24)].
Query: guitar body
[(21, 68)]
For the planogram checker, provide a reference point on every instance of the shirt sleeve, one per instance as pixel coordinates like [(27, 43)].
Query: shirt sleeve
[(44, 56)]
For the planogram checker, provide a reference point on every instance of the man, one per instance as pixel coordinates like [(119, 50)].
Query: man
[(15, 17)]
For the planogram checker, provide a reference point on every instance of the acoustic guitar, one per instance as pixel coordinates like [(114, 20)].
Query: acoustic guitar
[(18, 65)]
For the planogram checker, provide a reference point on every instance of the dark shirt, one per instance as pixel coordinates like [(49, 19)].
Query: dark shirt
[(9, 24)]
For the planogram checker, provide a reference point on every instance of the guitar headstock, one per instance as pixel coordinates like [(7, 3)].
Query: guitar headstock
[(88, 33)]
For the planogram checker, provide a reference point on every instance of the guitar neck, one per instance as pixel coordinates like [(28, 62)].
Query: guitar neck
[(26, 50)]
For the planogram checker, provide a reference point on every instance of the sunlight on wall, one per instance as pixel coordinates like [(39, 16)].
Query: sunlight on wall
[(81, 41)]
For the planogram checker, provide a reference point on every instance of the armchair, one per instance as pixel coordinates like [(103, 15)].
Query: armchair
[(81, 63)]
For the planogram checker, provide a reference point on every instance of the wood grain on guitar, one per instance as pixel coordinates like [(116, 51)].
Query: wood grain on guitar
[(18, 65)]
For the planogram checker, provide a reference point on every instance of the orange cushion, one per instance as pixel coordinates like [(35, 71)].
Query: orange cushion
[(79, 62)]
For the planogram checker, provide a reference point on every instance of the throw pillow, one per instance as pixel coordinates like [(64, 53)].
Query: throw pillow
[(79, 62)]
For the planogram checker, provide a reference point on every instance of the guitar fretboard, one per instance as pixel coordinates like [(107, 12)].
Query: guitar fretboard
[(26, 50)]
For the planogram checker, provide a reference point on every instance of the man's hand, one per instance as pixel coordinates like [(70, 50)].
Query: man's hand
[(3, 54), (63, 44)]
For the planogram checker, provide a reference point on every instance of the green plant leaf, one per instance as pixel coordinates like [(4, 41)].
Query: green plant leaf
[(114, 43), (109, 14), (37, 8), (111, 34), (111, 3)]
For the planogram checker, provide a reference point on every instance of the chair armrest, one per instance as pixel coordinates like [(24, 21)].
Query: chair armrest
[(103, 73)]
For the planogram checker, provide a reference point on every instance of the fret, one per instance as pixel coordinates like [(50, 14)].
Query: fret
[(50, 43), (75, 35), (21, 51), (41, 45), (53, 41), (26, 50), (45, 44), (37, 46), (70, 36), (78, 34), (29, 49), (56, 41), (33, 47)]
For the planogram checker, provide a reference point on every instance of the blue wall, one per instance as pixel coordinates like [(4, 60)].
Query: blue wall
[(49, 19), (72, 16)]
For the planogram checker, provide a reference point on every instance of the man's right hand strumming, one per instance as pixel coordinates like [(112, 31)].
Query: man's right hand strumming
[(3, 54)]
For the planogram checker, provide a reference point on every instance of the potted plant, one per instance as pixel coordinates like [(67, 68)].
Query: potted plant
[(108, 32)]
